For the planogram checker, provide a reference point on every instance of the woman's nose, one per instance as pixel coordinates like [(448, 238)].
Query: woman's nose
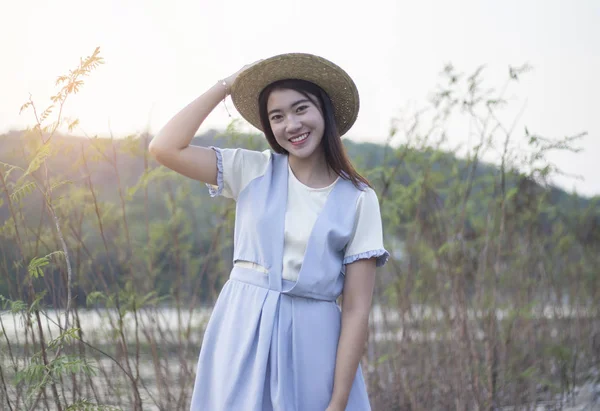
[(293, 124)]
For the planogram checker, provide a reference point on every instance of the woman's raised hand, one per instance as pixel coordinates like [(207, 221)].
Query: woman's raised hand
[(231, 79)]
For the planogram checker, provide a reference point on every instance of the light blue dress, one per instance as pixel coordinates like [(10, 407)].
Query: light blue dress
[(270, 343)]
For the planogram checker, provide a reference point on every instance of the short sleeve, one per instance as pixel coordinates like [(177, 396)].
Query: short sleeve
[(367, 239), (236, 168)]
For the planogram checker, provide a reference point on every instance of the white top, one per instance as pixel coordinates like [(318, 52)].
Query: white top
[(241, 166)]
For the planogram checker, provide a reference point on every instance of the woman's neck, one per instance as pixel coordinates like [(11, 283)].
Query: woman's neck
[(312, 171)]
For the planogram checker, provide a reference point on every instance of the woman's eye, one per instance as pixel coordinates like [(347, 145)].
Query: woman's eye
[(301, 108), (275, 117)]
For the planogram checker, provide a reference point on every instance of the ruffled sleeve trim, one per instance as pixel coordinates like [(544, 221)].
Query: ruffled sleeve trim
[(381, 254), (218, 189)]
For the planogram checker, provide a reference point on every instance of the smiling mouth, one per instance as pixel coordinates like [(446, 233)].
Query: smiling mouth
[(299, 139)]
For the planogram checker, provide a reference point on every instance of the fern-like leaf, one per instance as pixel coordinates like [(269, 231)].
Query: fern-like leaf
[(35, 267), (73, 124), (94, 297), (9, 169), (61, 79), (22, 191), (24, 107), (46, 113), (67, 337), (42, 154), (14, 306), (60, 183)]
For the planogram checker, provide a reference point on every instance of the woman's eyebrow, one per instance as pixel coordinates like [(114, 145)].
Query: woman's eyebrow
[(304, 100)]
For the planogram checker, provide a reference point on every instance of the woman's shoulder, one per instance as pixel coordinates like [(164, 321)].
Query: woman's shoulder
[(243, 160), (238, 166), (367, 198), (362, 189)]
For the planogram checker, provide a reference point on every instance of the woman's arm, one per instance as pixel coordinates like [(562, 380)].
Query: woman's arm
[(356, 305), (171, 146)]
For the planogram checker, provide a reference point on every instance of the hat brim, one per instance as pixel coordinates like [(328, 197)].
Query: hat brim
[(332, 79)]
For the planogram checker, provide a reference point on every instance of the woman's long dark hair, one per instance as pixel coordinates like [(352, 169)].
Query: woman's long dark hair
[(335, 152)]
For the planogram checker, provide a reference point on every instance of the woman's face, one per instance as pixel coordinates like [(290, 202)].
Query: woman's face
[(297, 123)]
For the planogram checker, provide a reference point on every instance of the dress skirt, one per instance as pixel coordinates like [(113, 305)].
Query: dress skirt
[(267, 350)]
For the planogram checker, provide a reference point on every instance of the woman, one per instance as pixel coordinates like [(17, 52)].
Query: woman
[(308, 228)]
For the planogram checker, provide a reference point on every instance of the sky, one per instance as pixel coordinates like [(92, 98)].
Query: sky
[(160, 55)]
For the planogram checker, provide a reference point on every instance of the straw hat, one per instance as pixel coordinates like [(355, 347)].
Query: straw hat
[(332, 79)]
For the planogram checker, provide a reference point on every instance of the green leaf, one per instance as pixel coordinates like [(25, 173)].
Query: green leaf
[(24, 107), (22, 192), (66, 337), (60, 183), (35, 267), (36, 305), (41, 155), (512, 192), (46, 113), (10, 168), (73, 124), (94, 297), (16, 306)]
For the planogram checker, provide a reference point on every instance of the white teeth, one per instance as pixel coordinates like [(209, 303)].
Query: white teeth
[(299, 138)]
